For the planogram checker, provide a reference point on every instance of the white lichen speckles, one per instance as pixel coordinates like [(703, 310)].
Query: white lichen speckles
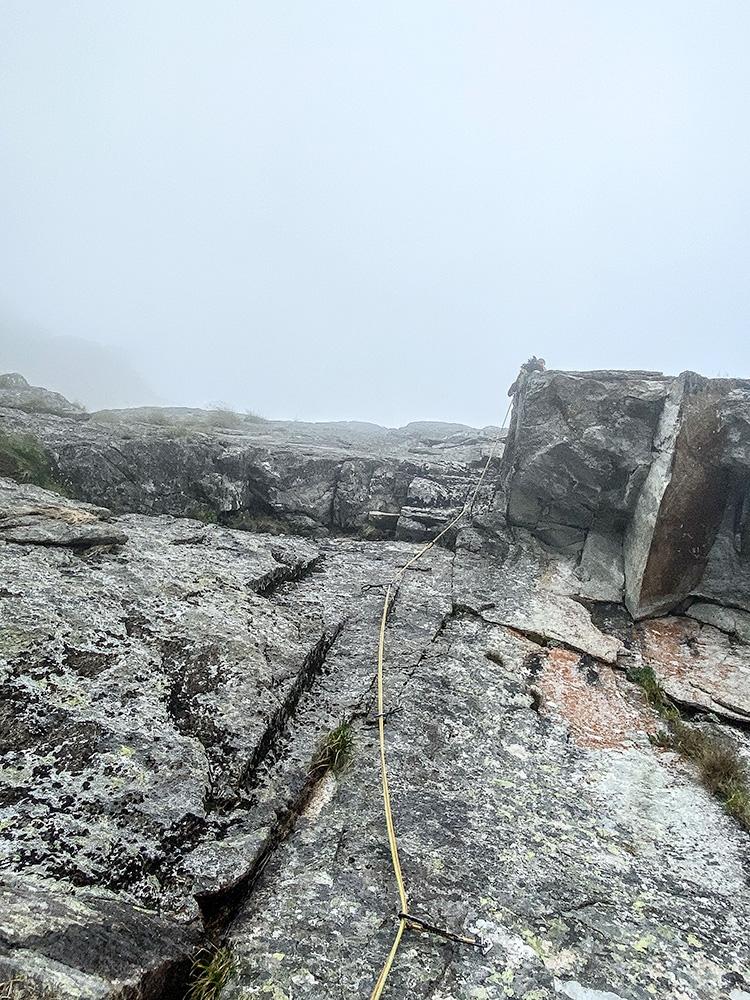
[(575, 991)]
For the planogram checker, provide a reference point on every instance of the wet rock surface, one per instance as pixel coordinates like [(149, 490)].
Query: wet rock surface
[(168, 684)]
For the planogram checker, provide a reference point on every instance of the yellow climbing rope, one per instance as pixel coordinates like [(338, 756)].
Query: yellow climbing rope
[(403, 916)]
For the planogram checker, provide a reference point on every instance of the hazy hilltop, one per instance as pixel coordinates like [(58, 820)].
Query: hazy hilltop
[(99, 377)]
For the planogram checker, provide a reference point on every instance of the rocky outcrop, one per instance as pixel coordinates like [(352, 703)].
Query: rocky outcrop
[(308, 479), (16, 393), (579, 450), (168, 686), (680, 507), (36, 517), (646, 479)]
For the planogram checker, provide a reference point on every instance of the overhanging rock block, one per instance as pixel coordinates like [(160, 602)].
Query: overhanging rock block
[(681, 505)]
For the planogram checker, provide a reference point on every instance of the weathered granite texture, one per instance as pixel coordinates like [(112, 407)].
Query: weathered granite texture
[(579, 450), (163, 699), (167, 684)]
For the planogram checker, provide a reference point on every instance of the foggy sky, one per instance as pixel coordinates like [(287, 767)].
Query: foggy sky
[(338, 209)]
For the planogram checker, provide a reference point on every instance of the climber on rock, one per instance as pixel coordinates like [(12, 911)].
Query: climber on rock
[(534, 364)]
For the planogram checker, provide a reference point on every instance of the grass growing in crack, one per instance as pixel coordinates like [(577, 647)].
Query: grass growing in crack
[(210, 974), (720, 769), (203, 512), (655, 694), (336, 749), (24, 459), (21, 988), (244, 520)]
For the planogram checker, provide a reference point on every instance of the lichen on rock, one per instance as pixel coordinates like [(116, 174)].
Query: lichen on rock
[(168, 683)]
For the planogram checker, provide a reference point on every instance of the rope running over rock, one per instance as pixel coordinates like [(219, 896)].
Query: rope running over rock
[(404, 919)]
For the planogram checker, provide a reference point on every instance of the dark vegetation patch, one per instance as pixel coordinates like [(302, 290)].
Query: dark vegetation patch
[(203, 512), (241, 520), (23, 459), (20, 987), (245, 520), (720, 769)]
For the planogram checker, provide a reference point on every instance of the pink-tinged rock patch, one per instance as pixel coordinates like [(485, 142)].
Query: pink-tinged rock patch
[(587, 698), (699, 666)]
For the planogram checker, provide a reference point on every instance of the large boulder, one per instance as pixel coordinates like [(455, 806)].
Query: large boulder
[(579, 450), (645, 480), (681, 504)]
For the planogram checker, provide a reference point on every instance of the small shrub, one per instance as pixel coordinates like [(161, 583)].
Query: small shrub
[(24, 459), (222, 415), (253, 417), (210, 974), (336, 749)]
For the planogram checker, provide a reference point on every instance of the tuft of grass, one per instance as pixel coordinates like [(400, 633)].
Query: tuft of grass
[(720, 769), (210, 974), (21, 988), (253, 417), (244, 520), (222, 415), (655, 694), (24, 459), (336, 749), (203, 512)]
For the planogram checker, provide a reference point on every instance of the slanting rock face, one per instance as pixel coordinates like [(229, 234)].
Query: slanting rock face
[(168, 684), (36, 517)]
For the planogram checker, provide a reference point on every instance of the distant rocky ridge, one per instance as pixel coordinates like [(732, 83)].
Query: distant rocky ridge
[(168, 681)]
